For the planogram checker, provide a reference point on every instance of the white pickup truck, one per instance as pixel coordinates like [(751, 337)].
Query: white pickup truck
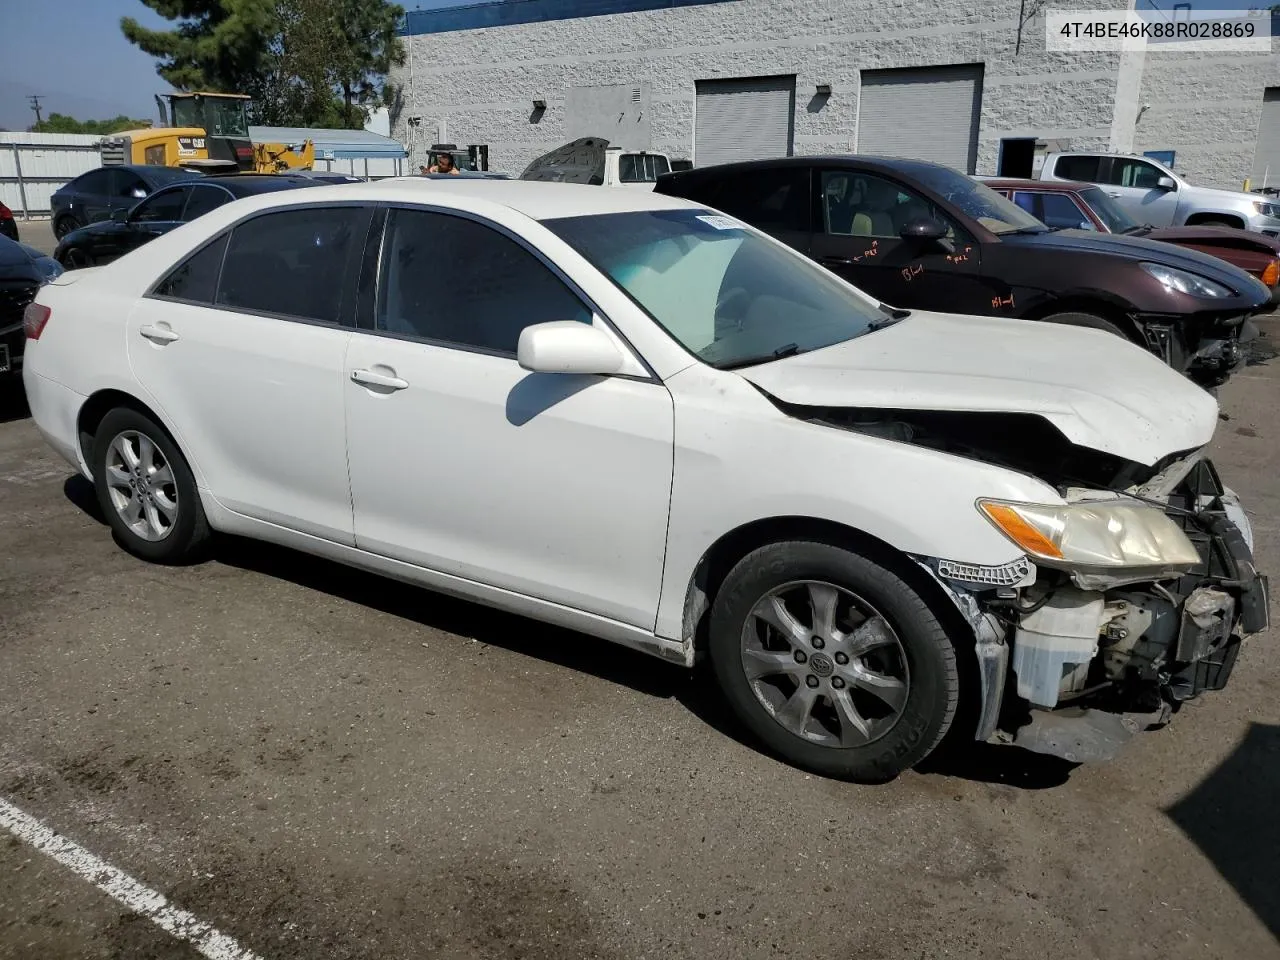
[(1153, 194), (592, 160)]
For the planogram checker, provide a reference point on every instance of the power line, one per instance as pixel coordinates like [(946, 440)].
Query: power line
[(35, 105)]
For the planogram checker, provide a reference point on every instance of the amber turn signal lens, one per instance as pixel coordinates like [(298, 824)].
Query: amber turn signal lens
[(1271, 275), (1020, 532)]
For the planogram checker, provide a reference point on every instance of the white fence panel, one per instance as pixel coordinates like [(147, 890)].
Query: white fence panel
[(34, 165)]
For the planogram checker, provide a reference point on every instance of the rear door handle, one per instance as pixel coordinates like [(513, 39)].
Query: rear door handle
[(371, 379), (836, 262), (158, 334)]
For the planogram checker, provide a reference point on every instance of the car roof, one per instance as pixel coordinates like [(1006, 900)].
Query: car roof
[(861, 161), (249, 184), (538, 200)]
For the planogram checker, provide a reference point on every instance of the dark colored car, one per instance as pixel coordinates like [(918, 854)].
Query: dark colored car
[(923, 236), (22, 270), (165, 210), (99, 194), (1062, 204), (8, 226)]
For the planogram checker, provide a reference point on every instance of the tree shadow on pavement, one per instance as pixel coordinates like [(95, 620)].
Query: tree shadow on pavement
[(1232, 818)]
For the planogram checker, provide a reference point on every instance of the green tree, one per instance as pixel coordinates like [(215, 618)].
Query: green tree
[(61, 123), (304, 62)]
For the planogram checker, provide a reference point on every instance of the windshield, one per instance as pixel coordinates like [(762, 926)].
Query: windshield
[(641, 167), (218, 118), (998, 214), (728, 294), (1108, 211)]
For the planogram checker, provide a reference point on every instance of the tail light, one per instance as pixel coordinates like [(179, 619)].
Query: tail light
[(1271, 275), (5, 212), (33, 320), (244, 152)]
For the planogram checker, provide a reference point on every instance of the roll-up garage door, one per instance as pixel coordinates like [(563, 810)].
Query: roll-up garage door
[(930, 113), (1266, 156), (748, 119)]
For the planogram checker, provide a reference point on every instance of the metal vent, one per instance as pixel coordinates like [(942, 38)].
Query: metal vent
[(112, 152), (635, 95)]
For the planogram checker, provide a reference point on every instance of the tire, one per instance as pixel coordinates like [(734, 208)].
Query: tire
[(62, 226), (75, 259), (873, 608), (1215, 222), (1074, 318), (172, 523)]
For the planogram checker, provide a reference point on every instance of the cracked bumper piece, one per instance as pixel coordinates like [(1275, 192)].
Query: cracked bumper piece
[(1088, 669)]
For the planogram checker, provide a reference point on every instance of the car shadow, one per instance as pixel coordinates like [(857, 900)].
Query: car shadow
[(695, 689), (13, 399), (1231, 817)]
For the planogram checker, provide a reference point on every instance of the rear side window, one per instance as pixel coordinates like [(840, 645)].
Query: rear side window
[(1054, 210), (95, 181), (164, 206), (202, 200), (292, 263), (196, 279), (770, 200), (1081, 167), (456, 281)]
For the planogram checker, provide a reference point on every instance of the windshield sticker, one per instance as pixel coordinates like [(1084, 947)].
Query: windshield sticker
[(721, 223)]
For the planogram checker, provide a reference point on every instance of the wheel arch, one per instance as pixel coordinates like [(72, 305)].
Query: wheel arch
[(98, 405), (718, 559), (1223, 217), (1100, 306)]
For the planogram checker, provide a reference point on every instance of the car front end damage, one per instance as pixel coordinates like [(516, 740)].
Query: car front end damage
[(1207, 347), (1079, 652)]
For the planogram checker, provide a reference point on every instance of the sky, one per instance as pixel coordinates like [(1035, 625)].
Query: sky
[(72, 53)]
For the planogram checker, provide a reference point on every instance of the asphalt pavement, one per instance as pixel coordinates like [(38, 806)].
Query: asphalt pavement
[(319, 763)]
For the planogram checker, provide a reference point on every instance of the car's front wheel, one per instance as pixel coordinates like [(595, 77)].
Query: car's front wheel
[(62, 226), (837, 664), (146, 489)]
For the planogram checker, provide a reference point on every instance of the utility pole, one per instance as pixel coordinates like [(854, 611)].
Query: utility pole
[(35, 105)]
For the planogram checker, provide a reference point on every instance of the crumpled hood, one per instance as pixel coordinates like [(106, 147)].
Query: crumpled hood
[(1101, 392)]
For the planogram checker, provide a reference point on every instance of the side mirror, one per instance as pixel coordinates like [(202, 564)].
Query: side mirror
[(138, 193), (1166, 183), (120, 216), (923, 228), (567, 346)]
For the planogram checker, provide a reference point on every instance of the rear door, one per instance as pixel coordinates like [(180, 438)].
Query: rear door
[(242, 347), (91, 197)]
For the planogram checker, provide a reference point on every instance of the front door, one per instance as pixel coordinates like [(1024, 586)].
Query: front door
[(156, 215), (1132, 183), (549, 485), (247, 361), (858, 235), (127, 188)]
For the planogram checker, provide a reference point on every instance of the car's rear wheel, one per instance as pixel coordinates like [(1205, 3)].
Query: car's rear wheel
[(837, 664), (146, 489), (62, 226)]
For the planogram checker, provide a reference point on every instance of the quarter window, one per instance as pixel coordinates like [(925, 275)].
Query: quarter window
[(196, 279), (95, 181), (456, 281), (292, 263)]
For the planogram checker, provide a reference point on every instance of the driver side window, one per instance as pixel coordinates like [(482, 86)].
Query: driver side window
[(856, 204), (165, 206)]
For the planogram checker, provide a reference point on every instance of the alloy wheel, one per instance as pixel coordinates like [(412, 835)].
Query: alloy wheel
[(141, 485)]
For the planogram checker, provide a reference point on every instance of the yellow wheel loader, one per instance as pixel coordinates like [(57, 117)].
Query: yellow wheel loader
[(207, 132)]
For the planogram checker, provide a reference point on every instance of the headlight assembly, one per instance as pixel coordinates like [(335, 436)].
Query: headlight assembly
[(1180, 281), (1095, 537)]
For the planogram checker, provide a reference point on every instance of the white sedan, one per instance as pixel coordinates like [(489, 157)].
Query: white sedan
[(635, 417)]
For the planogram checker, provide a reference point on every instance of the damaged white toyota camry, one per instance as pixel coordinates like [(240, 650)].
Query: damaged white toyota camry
[(637, 418)]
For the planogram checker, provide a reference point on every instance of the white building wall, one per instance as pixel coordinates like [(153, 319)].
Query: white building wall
[(482, 83)]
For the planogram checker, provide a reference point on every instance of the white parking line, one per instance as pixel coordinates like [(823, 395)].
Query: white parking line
[(140, 899)]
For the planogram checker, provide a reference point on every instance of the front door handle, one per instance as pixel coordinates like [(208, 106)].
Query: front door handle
[(372, 379), (836, 262), (158, 334), (1114, 194)]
